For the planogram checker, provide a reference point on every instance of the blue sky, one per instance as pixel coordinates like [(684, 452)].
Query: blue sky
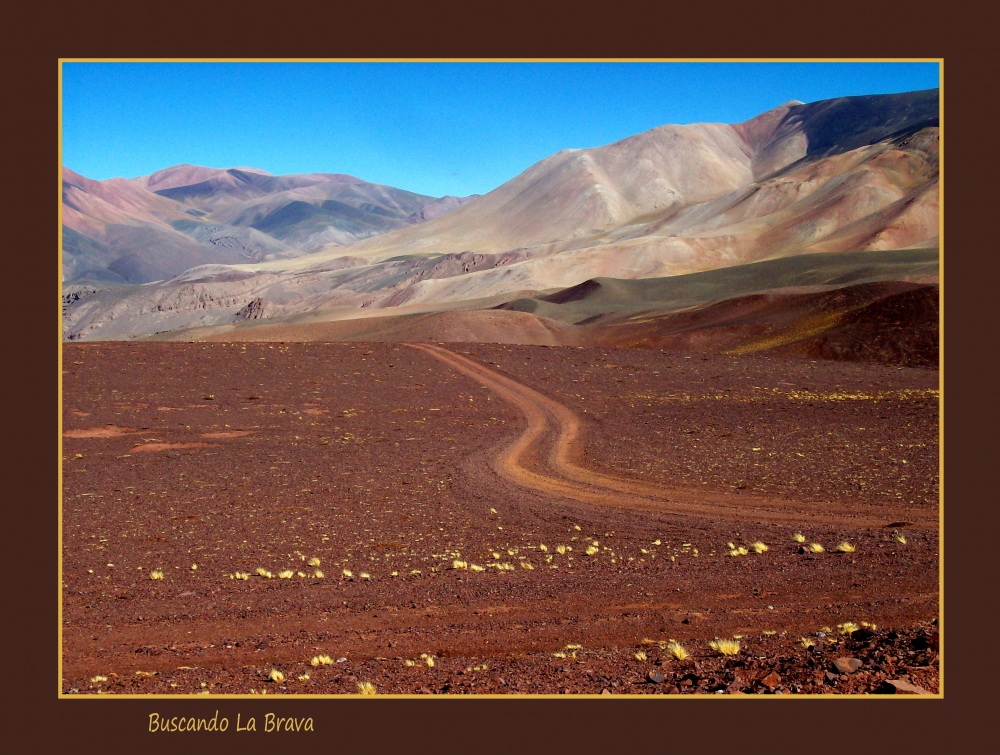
[(433, 128)]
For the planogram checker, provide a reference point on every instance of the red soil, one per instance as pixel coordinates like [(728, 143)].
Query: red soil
[(419, 458)]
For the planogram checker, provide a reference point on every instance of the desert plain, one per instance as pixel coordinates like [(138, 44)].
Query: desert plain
[(494, 519)]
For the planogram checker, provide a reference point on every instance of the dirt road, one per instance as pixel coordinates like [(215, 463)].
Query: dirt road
[(552, 425)]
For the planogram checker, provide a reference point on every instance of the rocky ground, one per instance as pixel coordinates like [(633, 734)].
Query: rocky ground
[(204, 462)]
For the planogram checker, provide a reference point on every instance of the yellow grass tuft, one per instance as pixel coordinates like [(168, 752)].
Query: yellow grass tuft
[(768, 632), (314, 562), (901, 539), (592, 550), (194, 567), (641, 655), (476, 567), (287, 574), (365, 575), (869, 625), (647, 641), (848, 627), (758, 547), (846, 547), (241, 575), (456, 564), (543, 548), (657, 542), (303, 677), (429, 660), (301, 574), (347, 574), (276, 676), (816, 548), (807, 642), (526, 565), (559, 654), (799, 537), (321, 660), (411, 663), (319, 575), (96, 679), (156, 574), (725, 647), (561, 549), (677, 651), (576, 527), (574, 647), (366, 688)]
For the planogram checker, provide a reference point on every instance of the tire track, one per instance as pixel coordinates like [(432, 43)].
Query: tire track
[(558, 472)]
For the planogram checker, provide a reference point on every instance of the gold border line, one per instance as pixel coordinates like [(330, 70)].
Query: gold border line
[(194, 696), (941, 378), (501, 60), (59, 447)]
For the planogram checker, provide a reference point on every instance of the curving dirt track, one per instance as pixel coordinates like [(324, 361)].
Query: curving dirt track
[(616, 480), (552, 423)]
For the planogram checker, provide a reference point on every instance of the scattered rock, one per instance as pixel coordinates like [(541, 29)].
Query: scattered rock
[(655, 677), (899, 687), (847, 665), (771, 681), (831, 677)]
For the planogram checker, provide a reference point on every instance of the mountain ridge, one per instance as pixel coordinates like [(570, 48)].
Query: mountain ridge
[(851, 174)]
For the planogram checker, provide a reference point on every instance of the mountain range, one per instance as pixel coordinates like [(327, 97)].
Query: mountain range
[(153, 227), (846, 179)]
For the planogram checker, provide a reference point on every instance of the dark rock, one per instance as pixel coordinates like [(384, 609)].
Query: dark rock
[(899, 687), (831, 677), (862, 635), (252, 311), (846, 665), (655, 677)]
